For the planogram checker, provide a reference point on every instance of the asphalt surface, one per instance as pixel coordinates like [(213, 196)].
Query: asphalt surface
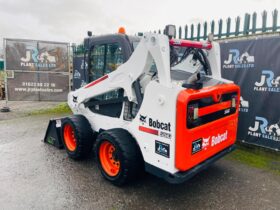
[(34, 175)]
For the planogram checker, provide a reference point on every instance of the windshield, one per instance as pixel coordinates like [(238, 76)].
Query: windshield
[(189, 60), (185, 59)]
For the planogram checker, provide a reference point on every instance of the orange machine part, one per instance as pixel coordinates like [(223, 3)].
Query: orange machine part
[(69, 137), (107, 159), (184, 159), (121, 30)]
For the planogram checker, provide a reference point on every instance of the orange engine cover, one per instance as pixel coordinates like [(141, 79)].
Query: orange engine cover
[(214, 127)]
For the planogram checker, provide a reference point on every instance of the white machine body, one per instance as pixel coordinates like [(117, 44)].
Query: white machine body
[(156, 118)]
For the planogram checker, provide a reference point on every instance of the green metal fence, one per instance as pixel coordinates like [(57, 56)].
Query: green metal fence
[(1, 65), (78, 49), (224, 29)]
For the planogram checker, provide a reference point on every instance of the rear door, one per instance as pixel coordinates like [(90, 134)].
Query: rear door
[(206, 123)]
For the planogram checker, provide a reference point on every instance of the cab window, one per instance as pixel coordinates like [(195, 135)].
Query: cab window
[(97, 61), (108, 104), (104, 59), (114, 57)]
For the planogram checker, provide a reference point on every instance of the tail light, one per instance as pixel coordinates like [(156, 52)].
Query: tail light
[(193, 112), (234, 101)]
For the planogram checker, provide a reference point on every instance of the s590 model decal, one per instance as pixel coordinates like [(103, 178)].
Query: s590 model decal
[(155, 132), (165, 135)]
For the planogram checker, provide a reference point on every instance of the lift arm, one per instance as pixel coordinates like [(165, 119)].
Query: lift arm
[(152, 47)]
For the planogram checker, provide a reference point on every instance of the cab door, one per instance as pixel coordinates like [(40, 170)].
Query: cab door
[(104, 57)]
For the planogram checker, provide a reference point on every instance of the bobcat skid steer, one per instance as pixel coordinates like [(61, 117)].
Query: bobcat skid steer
[(150, 103)]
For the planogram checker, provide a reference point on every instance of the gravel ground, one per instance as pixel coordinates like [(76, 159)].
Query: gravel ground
[(38, 176)]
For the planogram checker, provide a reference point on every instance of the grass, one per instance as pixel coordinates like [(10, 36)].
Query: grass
[(2, 76), (61, 108), (258, 158)]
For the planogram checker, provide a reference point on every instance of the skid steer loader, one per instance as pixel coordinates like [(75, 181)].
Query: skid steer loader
[(151, 103)]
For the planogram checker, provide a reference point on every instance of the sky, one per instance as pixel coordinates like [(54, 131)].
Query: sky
[(69, 20)]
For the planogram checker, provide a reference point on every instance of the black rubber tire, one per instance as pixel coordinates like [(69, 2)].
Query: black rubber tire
[(128, 152), (84, 136)]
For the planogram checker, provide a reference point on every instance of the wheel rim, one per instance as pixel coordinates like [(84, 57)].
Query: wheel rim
[(108, 158), (69, 137)]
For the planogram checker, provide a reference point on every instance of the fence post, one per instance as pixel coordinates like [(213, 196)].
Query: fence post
[(274, 20), (192, 30), (264, 20), (220, 22), (186, 31), (74, 48), (237, 26), (228, 27), (246, 24), (180, 32), (205, 30), (254, 23), (198, 32), (212, 27)]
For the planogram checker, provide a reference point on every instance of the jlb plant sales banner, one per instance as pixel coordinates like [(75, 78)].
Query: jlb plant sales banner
[(255, 65), (37, 70)]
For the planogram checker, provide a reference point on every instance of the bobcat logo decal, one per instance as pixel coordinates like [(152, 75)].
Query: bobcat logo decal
[(143, 118)]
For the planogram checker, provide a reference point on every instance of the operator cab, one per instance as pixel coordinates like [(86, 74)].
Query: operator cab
[(104, 54)]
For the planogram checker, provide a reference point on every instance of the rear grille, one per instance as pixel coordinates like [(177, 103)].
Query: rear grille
[(195, 120)]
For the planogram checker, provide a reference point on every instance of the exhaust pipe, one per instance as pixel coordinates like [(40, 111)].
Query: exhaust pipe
[(192, 81), (194, 78)]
